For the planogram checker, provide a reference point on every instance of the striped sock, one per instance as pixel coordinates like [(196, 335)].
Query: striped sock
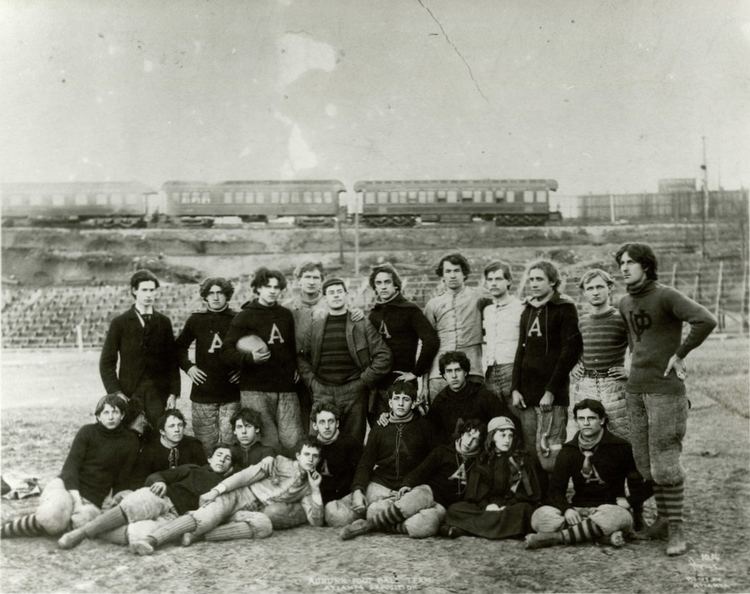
[(387, 517), (586, 531), (173, 530), (23, 526), (399, 528), (661, 511), (231, 531), (674, 497)]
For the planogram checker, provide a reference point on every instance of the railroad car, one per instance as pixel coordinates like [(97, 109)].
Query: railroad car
[(505, 201), (100, 204), (310, 202)]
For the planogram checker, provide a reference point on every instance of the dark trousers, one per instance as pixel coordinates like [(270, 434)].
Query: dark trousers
[(154, 401)]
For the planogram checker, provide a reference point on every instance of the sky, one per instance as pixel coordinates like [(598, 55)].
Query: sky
[(603, 96)]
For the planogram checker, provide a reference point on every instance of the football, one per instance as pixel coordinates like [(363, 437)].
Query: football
[(252, 343)]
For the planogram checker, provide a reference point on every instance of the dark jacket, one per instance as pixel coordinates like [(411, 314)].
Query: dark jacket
[(144, 353), (490, 481), (154, 457), (366, 347), (445, 471), (473, 401), (100, 459), (338, 461), (392, 452), (186, 483), (244, 457), (549, 345), (613, 460), (208, 329), (402, 325), (275, 325)]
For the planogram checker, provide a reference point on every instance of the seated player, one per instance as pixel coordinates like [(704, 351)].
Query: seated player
[(502, 490), (447, 467), (339, 454), (247, 428), (167, 494), (600, 463), (391, 452), (171, 449), (101, 459), (286, 491)]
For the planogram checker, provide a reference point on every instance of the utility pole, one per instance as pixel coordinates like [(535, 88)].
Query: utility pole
[(704, 167)]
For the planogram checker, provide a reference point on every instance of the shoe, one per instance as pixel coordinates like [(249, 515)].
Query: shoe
[(71, 539), (542, 540), (617, 539), (676, 545), (356, 528), (142, 547), (187, 539), (659, 530)]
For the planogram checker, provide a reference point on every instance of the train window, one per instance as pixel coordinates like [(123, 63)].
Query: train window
[(115, 199), (250, 197), (327, 197), (307, 197), (422, 196), (239, 197), (393, 198), (101, 199), (318, 197), (528, 195), (369, 197), (205, 198), (499, 196), (227, 197), (295, 197), (285, 197), (452, 195), (185, 198), (81, 199), (541, 196), (402, 197), (195, 197), (35, 200), (382, 197), (489, 196), (58, 200), (260, 197), (466, 196), (440, 196), (412, 197), (510, 196), (132, 199), (431, 196), (274, 197)]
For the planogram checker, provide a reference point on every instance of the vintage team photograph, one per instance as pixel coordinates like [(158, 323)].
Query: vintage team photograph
[(349, 296)]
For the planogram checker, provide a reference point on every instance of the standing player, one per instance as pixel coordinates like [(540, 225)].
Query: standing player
[(601, 374), (656, 399), (267, 377), (501, 318), (549, 345), (456, 317), (215, 395), (143, 342), (403, 327)]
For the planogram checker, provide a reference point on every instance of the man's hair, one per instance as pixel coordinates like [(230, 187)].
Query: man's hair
[(331, 282), (641, 253), (263, 275), (170, 412), (248, 416), (470, 425), (140, 276), (226, 286), (388, 269), (325, 406), (549, 270), (220, 446), (454, 357), (457, 260), (496, 265), (311, 441), (403, 387), (591, 274), (307, 266), (594, 406), (115, 400)]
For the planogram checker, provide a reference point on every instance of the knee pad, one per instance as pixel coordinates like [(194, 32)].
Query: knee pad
[(417, 499), (425, 523), (375, 508), (138, 531), (338, 514), (285, 515), (54, 512), (547, 519), (259, 522)]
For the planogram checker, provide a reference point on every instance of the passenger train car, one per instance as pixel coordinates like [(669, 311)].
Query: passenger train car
[(100, 204), (310, 202), (505, 201)]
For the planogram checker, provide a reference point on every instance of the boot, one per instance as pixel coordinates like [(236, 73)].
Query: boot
[(542, 540), (656, 531), (676, 545), (356, 528)]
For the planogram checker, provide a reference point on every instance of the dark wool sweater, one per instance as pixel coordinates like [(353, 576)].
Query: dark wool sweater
[(490, 481), (244, 457), (473, 401), (442, 471), (100, 459), (402, 325), (208, 330), (654, 315), (549, 345), (275, 325), (186, 483), (605, 339), (338, 461), (613, 460), (392, 452), (154, 457)]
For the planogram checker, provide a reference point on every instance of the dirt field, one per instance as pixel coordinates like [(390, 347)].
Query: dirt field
[(47, 396)]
